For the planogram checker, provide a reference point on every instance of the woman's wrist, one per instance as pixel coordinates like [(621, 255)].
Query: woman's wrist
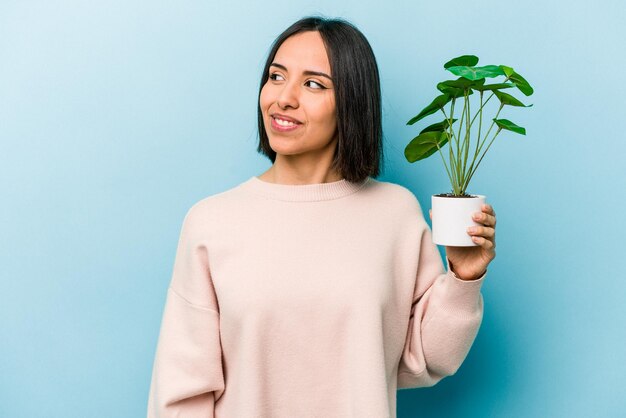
[(467, 279)]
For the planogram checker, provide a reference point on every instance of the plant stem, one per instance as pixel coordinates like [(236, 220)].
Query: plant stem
[(453, 165), (480, 121), (481, 96), (481, 106), (491, 126), (472, 169), (450, 133), (477, 150), (481, 158), (458, 165), (466, 142), (449, 122), (444, 160)]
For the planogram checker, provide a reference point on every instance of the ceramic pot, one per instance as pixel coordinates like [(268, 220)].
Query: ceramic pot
[(451, 218)]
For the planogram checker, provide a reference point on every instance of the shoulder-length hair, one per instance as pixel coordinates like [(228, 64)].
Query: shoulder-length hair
[(359, 151)]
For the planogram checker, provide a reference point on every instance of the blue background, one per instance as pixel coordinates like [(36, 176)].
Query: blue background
[(116, 116)]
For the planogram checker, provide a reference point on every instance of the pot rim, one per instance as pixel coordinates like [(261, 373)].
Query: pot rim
[(472, 196)]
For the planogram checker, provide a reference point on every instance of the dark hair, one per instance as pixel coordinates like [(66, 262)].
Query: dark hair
[(359, 151)]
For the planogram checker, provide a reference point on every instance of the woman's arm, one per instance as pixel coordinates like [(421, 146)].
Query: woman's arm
[(445, 317), (187, 375)]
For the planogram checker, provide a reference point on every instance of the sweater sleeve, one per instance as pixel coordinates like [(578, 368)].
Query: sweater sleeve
[(446, 314), (187, 375)]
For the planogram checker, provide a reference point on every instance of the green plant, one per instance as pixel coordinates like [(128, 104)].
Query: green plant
[(432, 138)]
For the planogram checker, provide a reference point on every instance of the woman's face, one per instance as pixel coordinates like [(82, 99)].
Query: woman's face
[(298, 99)]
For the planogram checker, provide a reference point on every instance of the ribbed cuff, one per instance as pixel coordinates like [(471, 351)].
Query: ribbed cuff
[(462, 297)]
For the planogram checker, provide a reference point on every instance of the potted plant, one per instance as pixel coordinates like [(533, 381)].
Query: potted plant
[(452, 212)]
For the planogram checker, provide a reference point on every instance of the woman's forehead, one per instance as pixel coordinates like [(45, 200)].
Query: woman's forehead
[(305, 50)]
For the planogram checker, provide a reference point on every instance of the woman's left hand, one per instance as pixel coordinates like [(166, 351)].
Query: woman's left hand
[(469, 263)]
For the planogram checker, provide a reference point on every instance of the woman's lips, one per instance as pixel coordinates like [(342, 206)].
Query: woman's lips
[(283, 123)]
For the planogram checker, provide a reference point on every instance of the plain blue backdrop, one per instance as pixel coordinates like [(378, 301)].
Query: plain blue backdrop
[(117, 116)]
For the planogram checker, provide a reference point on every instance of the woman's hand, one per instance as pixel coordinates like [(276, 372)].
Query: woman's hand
[(469, 263)]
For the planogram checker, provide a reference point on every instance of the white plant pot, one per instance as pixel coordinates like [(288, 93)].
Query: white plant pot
[(451, 216)]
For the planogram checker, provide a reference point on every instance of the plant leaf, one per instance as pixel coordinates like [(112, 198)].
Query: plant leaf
[(438, 127), (510, 126), (462, 83), (522, 84), (507, 70), (507, 99), (452, 91), (438, 103), (494, 86), (469, 60), (424, 145), (518, 80), (476, 73), (456, 88)]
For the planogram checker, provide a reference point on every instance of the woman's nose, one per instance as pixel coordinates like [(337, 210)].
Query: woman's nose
[(288, 96)]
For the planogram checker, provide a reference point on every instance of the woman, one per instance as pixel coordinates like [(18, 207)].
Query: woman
[(314, 290)]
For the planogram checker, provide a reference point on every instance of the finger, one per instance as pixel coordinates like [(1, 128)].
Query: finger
[(487, 208), (430, 213), (485, 243), (485, 219), (482, 231)]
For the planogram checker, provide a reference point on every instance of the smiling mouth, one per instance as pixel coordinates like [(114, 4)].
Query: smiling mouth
[(284, 118), (283, 124)]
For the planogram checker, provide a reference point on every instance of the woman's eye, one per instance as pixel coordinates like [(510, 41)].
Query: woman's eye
[(276, 77), (314, 84)]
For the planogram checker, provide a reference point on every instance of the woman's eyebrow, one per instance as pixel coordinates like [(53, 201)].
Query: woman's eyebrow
[(306, 72)]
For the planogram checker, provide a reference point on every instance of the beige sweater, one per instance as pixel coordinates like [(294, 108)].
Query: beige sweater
[(317, 300)]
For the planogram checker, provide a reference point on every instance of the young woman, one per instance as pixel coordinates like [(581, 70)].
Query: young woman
[(314, 290)]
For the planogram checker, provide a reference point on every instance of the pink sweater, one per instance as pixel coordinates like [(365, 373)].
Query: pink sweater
[(302, 301)]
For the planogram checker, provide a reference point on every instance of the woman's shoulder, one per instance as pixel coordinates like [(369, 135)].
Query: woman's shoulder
[(394, 193), (213, 206)]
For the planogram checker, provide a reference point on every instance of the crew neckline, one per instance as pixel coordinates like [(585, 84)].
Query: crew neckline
[(304, 192)]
